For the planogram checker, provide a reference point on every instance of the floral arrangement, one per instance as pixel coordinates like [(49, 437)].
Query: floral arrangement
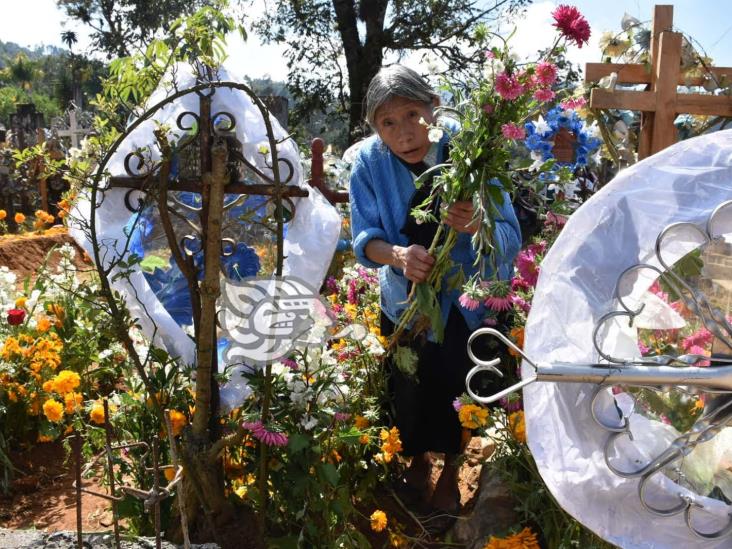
[(492, 116), (540, 136)]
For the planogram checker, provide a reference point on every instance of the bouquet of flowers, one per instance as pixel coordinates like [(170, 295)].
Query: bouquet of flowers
[(492, 117)]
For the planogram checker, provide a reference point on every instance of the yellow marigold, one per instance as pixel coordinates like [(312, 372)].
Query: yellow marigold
[(360, 422), (178, 420), (34, 407), (517, 335), (53, 410), (11, 348), (378, 520), (397, 540), (43, 324), (19, 218), (517, 425), (392, 444), (73, 402), (472, 416), (48, 386), (96, 415), (66, 381), (56, 310), (3, 214), (20, 302), (525, 539)]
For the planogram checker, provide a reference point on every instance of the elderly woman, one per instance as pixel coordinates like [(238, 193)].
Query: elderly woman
[(385, 236)]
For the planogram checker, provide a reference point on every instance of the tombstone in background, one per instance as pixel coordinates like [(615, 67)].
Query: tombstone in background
[(25, 123), (72, 126), (3, 135)]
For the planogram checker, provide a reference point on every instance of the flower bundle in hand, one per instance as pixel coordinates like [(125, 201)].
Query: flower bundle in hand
[(492, 117)]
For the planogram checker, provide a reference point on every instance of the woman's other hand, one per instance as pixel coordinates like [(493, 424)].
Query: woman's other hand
[(459, 216), (415, 262)]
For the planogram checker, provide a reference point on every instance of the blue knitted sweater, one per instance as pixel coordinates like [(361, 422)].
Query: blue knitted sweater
[(381, 189)]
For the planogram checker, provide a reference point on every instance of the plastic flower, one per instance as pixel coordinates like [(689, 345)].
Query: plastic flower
[(517, 425), (66, 381), (53, 410), (378, 520), (546, 73), (508, 87), (572, 24), (16, 317), (472, 416), (19, 218), (513, 131), (525, 539)]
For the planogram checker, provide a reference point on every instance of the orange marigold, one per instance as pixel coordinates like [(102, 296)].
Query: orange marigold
[(96, 415), (360, 422), (517, 425), (43, 324), (19, 218), (378, 520), (66, 381), (525, 539), (73, 402), (178, 420), (53, 410), (3, 214), (517, 335), (472, 416)]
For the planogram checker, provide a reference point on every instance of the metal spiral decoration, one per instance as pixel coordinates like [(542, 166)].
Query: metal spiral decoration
[(650, 372)]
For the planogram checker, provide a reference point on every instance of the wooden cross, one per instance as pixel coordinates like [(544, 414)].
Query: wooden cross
[(75, 132), (661, 103)]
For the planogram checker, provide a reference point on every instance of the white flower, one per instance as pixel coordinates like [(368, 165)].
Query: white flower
[(538, 161), (308, 422), (541, 126), (593, 130), (423, 122), (435, 134)]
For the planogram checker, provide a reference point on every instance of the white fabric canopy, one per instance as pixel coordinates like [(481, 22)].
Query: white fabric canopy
[(311, 237), (614, 230)]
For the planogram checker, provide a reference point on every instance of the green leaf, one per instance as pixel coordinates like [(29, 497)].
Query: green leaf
[(298, 442), (350, 436), (151, 262), (329, 473)]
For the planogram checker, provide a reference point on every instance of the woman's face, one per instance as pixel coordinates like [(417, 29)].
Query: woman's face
[(397, 123)]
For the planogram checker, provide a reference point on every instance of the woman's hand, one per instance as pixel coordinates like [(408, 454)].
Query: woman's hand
[(414, 261), (459, 216)]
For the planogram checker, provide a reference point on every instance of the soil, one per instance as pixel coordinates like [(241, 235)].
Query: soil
[(24, 253), (42, 496)]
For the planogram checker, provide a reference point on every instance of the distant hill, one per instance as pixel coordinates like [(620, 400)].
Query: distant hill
[(9, 50)]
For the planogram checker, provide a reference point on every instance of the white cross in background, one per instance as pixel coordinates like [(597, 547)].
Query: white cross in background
[(75, 132)]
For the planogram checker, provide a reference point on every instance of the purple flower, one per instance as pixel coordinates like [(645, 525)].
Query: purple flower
[(457, 404), (260, 432), (331, 285), (527, 267), (342, 416)]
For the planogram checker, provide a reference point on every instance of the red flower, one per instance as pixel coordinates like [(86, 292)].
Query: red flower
[(508, 87), (572, 24), (16, 317)]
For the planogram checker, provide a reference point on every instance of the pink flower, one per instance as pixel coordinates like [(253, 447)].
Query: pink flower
[(342, 416), (498, 303), (511, 403), (469, 303), (521, 303), (643, 348), (527, 267), (700, 338), (490, 321), (554, 221), (489, 54), (260, 432), (696, 350), (331, 285), (508, 87), (544, 95), (518, 283), (574, 103), (291, 364), (571, 23), (513, 131), (546, 73), (487, 108), (456, 404)]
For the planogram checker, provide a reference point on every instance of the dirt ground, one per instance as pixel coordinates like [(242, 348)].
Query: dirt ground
[(24, 254)]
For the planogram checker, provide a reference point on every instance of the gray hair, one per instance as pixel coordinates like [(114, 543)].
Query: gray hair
[(396, 81)]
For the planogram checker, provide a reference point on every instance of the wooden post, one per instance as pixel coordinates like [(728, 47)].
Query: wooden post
[(660, 103), (317, 174)]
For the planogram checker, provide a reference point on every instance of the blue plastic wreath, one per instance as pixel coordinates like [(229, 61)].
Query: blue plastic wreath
[(541, 140)]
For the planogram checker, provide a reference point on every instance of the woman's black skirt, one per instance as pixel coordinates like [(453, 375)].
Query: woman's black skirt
[(421, 406)]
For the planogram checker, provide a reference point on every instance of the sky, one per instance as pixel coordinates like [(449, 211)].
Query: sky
[(36, 22)]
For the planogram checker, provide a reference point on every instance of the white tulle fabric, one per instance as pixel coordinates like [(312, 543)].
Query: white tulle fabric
[(614, 230), (311, 237)]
